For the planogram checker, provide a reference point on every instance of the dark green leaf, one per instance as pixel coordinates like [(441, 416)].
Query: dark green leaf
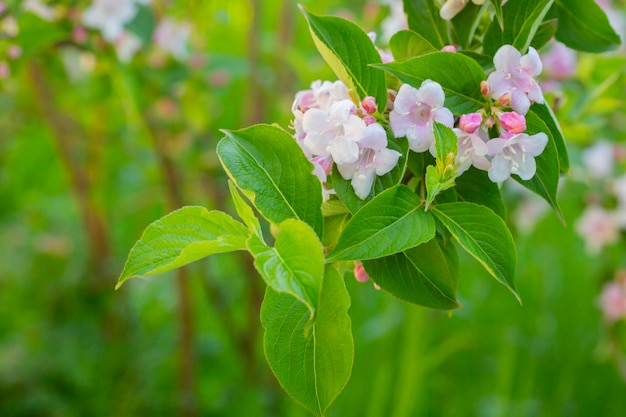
[(423, 18), (461, 85), (465, 23), (483, 235), (36, 34), (267, 164), (408, 44), (420, 275), (545, 113), (181, 237), (545, 33), (392, 222), (497, 6), (143, 24), (474, 186), (349, 51), (311, 358), (584, 26)]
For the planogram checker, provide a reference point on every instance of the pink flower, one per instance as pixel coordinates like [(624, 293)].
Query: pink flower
[(559, 63), (374, 159), (448, 48), (515, 155), (513, 122), (613, 301), (513, 80), (359, 272), (452, 7), (599, 159), (173, 36), (598, 228), (127, 45), (414, 111), (472, 146)]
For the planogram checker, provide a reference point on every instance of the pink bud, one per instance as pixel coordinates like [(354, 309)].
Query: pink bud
[(80, 35), (448, 48), (359, 272), (485, 90), (369, 120), (391, 97), (470, 122), (376, 286), (14, 52), (505, 100), (369, 105), (489, 122), (5, 71), (513, 122)]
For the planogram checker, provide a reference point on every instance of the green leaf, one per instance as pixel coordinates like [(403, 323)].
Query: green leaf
[(392, 222), (333, 226), (181, 237), (462, 86), (423, 18), (446, 141), (546, 180), (441, 176), (349, 51), (420, 275), (497, 6), (545, 113), (545, 33), (584, 26), (408, 44), (36, 34), (295, 265), (344, 189), (269, 167), (312, 359), (521, 22), (143, 24), (483, 235), (474, 186), (245, 211), (465, 23)]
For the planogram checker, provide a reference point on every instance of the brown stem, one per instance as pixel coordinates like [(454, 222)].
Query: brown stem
[(188, 403)]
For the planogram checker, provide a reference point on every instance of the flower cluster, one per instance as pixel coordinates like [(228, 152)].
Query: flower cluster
[(332, 128)]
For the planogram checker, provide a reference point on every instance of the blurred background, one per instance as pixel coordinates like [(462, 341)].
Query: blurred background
[(110, 119)]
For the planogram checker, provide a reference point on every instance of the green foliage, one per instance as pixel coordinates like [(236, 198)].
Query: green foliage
[(423, 18), (268, 166), (461, 85), (392, 222), (181, 237), (311, 357), (584, 26), (407, 44), (441, 176)]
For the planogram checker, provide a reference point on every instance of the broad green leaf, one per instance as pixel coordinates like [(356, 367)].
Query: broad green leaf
[(344, 189), (408, 44), (333, 226), (423, 18), (452, 257), (465, 23), (420, 275), (312, 359), (521, 21), (446, 141), (269, 167), (295, 265), (441, 176), (392, 222), (584, 26), (181, 237), (497, 6), (334, 208), (36, 34), (545, 113), (245, 211), (474, 186), (483, 235), (545, 33), (461, 85), (143, 24), (349, 51), (546, 180), (485, 62)]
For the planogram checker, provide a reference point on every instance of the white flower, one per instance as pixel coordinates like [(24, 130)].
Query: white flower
[(452, 7), (414, 111), (374, 159), (110, 16), (172, 37), (599, 159), (598, 228), (38, 8), (127, 45), (515, 155)]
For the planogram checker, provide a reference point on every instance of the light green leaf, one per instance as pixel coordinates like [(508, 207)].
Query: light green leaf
[(295, 265), (349, 51), (423, 18), (441, 176), (483, 235), (420, 275), (312, 359), (461, 86), (392, 222), (408, 44), (584, 26), (269, 167), (521, 21), (181, 237), (245, 211)]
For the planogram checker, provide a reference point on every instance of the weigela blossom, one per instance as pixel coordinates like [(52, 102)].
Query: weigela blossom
[(613, 301), (472, 146), (598, 227), (414, 111), (127, 45), (374, 159), (110, 16), (173, 36), (452, 7), (513, 82), (515, 155), (599, 159)]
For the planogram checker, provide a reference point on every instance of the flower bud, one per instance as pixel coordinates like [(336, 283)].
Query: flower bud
[(369, 120), (359, 272), (485, 90), (470, 122), (448, 48), (513, 122), (505, 100), (369, 105)]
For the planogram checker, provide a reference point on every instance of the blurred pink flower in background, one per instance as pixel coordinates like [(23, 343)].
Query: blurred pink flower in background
[(613, 300), (395, 21), (559, 62), (110, 16), (38, 8), (127, 45), (173, 37), (599, 159), (598, 228)]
